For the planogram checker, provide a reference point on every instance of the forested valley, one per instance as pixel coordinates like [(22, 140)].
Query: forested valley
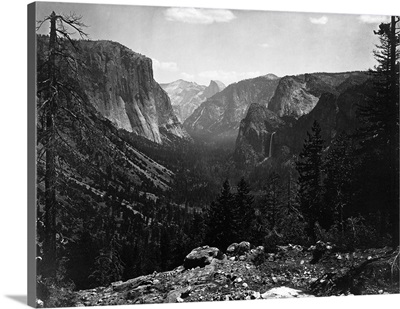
[(113, 205)]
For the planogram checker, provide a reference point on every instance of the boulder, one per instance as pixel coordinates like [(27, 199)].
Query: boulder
[(255, 254), (202, 256), (238, 249), (284, 292), (120, 286), (232, 248)]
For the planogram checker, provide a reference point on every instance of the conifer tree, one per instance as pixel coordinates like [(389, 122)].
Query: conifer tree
[(52, 92), (273, 199), (243, 215), (310, 169), (222, 229), (379, 133), (339, 168)]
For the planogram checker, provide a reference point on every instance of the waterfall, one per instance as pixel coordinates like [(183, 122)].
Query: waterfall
[(270, 145)]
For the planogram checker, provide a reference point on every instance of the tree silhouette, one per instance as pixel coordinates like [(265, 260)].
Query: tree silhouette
[(52, 92), (379, 133), (244, 214), (339, 168), (221, 223), (310, 168)]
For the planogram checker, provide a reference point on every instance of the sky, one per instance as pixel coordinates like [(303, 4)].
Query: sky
[(199, 45)]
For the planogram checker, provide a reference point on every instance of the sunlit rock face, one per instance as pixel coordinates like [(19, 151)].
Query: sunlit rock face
[(254, 141), (187, 96), (120, 85), (331, 99)]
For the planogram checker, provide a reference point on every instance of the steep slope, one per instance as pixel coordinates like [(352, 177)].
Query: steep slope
[(256, 131), (334, 112), (296, 96), (217, 119), (329, 98), (187, 96), (120, 85)]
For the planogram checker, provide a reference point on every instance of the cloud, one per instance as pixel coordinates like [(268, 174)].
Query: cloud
[(319, 21), (187, 76), (264, 45), (228, 77), (198, 16), (372, 19), (165, 66)]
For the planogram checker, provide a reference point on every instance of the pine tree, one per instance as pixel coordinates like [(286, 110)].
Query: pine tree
[(310, 169), (339, 168), (379, 134), (52, 92), (221, 225), (243, 215), (273, 196)]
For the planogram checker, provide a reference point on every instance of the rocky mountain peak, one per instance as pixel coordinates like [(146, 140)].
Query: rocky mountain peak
[(271, 76), (187, 96), (214, 87)]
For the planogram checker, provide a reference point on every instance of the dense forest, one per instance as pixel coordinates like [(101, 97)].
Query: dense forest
[(112, 205)]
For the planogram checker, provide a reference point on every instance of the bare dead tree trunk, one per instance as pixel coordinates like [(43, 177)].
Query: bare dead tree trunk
[(50, 178)]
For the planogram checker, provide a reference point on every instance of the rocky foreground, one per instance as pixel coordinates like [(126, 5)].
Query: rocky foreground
[(242, 273)]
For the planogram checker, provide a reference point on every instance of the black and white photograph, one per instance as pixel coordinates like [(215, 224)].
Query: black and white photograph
[(192, 154)]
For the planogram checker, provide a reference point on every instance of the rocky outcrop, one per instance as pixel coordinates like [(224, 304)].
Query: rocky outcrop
[(213, 88), (202, 256), (330, 98), (217, 120), (238, 248), (286, 273), (242, 251), (296, 96), (334, 112), (254, 142), (120, 85), (221, 279)]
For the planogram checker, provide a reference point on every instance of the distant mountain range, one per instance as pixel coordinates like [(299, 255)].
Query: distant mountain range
[(119, 84), (187, 96), (217, 119)]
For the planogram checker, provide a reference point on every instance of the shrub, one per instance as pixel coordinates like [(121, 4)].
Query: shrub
[(355, 232)]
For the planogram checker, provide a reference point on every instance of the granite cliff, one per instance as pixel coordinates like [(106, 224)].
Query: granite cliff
[(120, 85), (329, 98), (256, 132)]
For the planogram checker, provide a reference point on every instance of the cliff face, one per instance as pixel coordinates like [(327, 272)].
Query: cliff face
[(187, 96), (296, 96), (329, 98), (120, 85), (218, 118), (256, 131), (214, 87), (334, 112)]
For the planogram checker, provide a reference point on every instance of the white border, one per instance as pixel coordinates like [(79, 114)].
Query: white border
[(13, 227)]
